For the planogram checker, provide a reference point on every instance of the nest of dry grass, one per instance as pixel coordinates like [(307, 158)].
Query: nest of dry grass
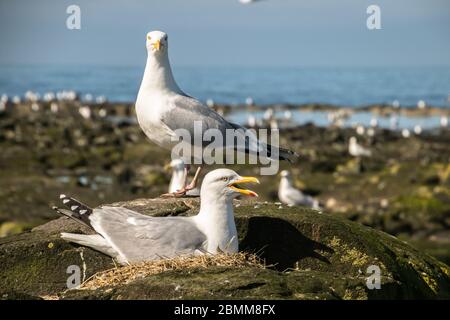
[(126, 274)]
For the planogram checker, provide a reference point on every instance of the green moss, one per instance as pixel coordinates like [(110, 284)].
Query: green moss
[(310, 256)]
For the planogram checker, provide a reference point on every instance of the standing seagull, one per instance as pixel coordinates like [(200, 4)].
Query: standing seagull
[(357, 150), (162, 108), (291, 196), (179, 177), (130, 237)]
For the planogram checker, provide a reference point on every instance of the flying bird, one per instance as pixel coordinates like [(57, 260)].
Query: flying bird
[(249, 1), (162, 108), (130, 237), (291, 196)]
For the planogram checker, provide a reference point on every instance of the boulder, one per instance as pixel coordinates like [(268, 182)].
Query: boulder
[(309, 255)]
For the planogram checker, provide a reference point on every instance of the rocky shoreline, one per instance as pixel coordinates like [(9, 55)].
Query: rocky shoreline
[(309, 255), (404, 189)]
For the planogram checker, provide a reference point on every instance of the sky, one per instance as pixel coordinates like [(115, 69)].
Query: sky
[(227, 33)]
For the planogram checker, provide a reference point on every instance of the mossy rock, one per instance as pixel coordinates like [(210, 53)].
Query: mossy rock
[(310, 255)]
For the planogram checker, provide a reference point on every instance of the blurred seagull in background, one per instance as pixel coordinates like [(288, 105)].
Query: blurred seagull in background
[(374, 122), (444, 122), (249, 102), (356, 150), (421, 104), (393, 121), (360, 130), (131, 237), (249, 1), (418, 129), (179, 178), (291, 196), (85, 112), (162, 108), (16, 100), (406, 133), (251, 121), (210, 103)]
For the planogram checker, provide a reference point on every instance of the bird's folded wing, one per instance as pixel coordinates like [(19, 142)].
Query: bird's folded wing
[(138, 237), (294, 195), (186, 110)]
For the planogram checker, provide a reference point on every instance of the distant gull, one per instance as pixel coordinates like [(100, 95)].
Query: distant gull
[(291, 196), (88, 97), (162, 107), (406, 133), (35, 107), (32, 96), (288, 115), (356, 150), (131, 237), (444, 122), (421, 104), (210, 103), (249, 101), (251, 121), (179, 177), (371, 132), (85, 112), (360, 130), (249, 1), (374, 122), (417, 129), (102, 113), (394, 122), (268, 114), (396, 104), (54, 107), (100, 99), (49, 96), (16, 100), (273, 124)]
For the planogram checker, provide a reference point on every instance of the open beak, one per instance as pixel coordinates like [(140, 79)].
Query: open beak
[(235, 185), (156, 45)]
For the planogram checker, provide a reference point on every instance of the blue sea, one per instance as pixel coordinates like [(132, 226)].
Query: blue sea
[(232, 85)]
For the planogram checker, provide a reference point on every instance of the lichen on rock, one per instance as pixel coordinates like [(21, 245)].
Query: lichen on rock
[(308, 255)]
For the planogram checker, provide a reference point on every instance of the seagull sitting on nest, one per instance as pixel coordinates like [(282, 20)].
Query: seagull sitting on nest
[(291, 196), (179, 177), (357, 150), (130, 237), (162, 108)]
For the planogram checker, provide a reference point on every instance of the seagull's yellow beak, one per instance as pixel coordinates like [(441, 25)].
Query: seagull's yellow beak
[(156, 45), (235, 186)]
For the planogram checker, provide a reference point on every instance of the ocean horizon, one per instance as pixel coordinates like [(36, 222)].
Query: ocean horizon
[(343, 86)]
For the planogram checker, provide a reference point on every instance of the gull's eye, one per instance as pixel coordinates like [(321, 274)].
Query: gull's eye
[(149, 38), (225, 179)]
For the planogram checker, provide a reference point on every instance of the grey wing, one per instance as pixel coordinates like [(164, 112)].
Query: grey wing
[(187, 110), (294, 195), (138, 237)]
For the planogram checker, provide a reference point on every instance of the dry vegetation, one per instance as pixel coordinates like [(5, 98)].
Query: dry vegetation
[(126, 274)]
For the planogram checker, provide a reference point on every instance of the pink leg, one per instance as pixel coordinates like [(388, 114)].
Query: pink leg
[(188, 187)]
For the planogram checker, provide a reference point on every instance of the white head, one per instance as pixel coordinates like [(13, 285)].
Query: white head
[(158, 74), (157, 43), (225, 184), (285, 174), (352, 140)]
